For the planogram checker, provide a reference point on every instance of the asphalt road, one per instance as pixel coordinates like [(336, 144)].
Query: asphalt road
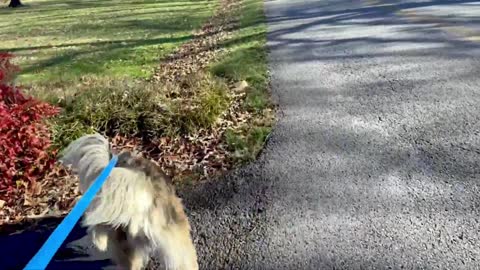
[(375, 160)]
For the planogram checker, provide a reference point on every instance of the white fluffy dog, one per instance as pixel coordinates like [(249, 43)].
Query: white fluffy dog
[(137, 213)]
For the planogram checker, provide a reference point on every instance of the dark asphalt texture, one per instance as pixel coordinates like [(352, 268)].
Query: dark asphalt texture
[(375, 160)]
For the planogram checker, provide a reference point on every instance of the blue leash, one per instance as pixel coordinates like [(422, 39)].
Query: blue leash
[(53, 243)]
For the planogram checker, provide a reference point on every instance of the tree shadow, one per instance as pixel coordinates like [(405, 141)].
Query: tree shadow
[(53, 5), (132, 27), (109, 50), (418, 32)]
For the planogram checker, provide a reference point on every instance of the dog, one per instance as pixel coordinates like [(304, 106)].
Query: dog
[(136, 214)]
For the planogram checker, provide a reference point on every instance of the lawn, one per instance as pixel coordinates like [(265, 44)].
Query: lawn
[(59, 44), (85, 56), (99, 61)]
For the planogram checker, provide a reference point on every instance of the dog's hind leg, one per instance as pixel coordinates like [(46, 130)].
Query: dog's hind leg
[(138, 251), (128, 253), (119, 248), (138, 257), (100, 236), (177, 249)]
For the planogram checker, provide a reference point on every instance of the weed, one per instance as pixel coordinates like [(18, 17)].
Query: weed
[(246, 144)]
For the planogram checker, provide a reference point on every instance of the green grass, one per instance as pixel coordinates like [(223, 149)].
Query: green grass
[(86, 55), (203, 108), (61, 43), (246, 144), (246, 60)]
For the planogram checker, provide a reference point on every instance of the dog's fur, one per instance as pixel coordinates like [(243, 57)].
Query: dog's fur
[(137, 213)]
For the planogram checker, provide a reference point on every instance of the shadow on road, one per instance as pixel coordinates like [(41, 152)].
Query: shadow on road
[(332, 18), (19, 243)]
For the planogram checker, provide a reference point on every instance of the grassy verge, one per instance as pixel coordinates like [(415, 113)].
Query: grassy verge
[(63, 44), (246, 61), (100, 60), (149, 110), (92, 58)]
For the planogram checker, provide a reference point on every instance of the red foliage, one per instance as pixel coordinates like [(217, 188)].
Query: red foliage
[(25, 153)]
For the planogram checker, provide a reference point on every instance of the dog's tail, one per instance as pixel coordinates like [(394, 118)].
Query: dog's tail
[(87, 156)]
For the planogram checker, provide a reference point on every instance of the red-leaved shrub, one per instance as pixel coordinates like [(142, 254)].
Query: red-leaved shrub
[(25, 153)]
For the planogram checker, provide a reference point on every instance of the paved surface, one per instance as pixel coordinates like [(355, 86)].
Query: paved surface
[(375, 161)]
